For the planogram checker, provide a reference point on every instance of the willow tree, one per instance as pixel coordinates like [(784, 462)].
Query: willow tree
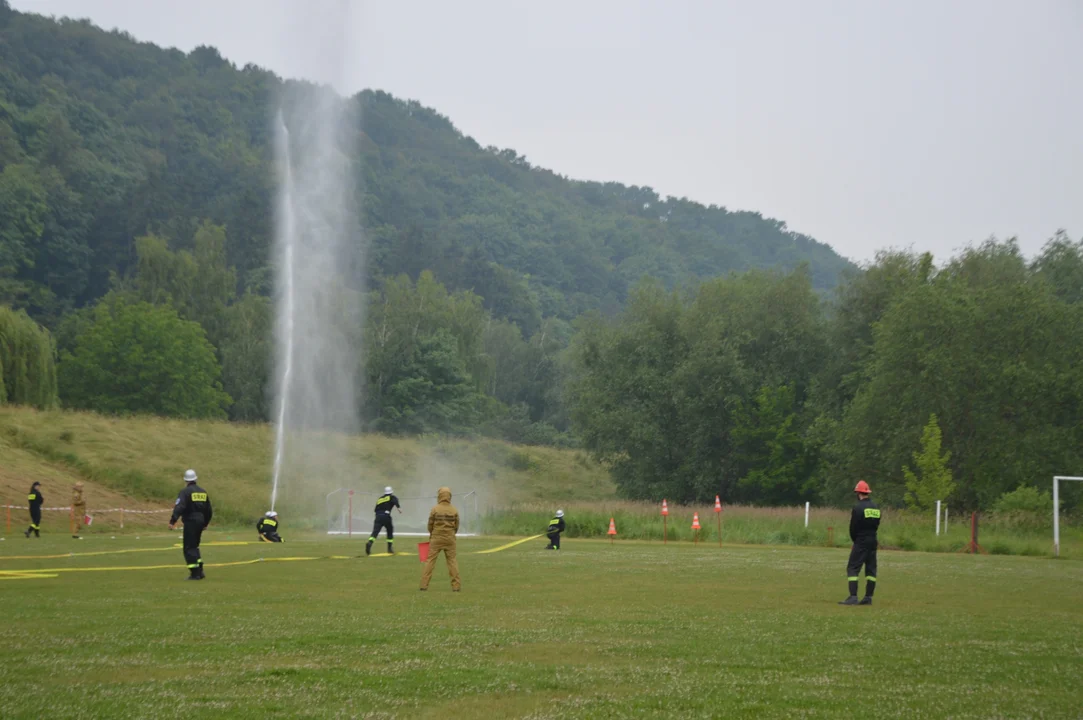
[(27, 361)]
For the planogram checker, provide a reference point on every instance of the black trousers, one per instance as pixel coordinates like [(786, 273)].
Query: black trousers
[(272, 536), (554, 539), (35, 519), (383, 521), (193, 532), (862, 554)]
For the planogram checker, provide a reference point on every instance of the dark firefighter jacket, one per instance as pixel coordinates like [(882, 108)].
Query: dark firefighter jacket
[(384, 504), (864, 522), (266, 525), (35, 498), (556, 525), (192, 500)]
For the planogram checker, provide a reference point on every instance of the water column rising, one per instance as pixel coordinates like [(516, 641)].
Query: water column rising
[(318, 253)]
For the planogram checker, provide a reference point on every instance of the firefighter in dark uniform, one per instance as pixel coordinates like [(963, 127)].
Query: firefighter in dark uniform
[(194, 507), (35, 498), (383, 520), (556, 527), (864, 522), (267, 527)]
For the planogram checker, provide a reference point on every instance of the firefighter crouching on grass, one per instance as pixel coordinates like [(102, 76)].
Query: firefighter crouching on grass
[(267, 527), (556, 527), (194, 507), (35, 499), (78, 510), (443, 524), (864, 522)]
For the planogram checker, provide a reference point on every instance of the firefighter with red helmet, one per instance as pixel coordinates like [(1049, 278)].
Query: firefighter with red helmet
[(864, 522)]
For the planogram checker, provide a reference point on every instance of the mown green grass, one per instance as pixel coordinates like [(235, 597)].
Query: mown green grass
[(596, 631)]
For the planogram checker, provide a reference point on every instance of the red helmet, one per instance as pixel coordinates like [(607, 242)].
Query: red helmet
[(862, 487)]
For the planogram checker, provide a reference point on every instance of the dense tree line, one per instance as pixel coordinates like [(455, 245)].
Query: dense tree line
[(956, 383), (131, 170)]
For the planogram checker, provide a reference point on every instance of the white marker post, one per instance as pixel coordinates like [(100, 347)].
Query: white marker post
[(945, 519), (806, 513), (937, 517), (1056, 509)]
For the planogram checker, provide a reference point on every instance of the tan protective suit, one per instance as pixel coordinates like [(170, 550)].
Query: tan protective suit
[(443, 524), (78, 508)]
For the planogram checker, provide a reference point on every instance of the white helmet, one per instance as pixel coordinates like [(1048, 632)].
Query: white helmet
[(189, 476), (270, 513), (387, 490), (560, 513)]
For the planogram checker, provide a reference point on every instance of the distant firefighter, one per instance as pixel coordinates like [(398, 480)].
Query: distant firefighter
[(383, 520), (268, 527), (193, 505), (35, 499), (556, 527), (78, 509), (443, 524), (864, 523)]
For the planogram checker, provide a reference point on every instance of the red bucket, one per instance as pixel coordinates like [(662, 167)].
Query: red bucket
[(423, 551)]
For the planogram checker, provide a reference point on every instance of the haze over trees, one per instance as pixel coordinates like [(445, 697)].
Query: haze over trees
[(697, 350)]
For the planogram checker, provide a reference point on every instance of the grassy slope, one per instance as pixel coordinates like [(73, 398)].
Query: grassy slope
[(635, 629), (144, 458)]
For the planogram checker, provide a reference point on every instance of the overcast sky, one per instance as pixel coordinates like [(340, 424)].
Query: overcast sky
[(866, 124)]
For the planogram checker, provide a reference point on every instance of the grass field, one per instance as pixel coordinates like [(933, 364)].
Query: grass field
[(596, 631)]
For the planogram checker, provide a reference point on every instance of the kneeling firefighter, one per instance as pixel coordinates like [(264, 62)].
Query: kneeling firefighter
[(556, 527), (267, 527)]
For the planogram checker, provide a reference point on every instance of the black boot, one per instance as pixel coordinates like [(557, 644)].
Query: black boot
[(852, 600), (201, 575), (368, 547), (390, 549), (866, 601), (37, 534), (27, 533)]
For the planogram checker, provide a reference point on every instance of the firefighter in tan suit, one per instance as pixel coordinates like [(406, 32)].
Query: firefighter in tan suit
[(443, 524), (78, 509)]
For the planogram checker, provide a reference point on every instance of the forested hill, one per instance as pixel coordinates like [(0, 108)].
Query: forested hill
[(104, 139)]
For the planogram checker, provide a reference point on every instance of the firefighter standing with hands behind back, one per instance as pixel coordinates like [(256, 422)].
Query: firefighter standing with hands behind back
[(864, 522), (78, 510), (194, 506), (443, 524)]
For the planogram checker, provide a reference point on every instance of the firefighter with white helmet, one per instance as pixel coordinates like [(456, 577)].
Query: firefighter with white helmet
[(267, 527), (193, 505), (556, 527), (383, 520)]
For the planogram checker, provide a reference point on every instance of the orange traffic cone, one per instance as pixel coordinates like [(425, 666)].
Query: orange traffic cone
[(612, 530), (717, 504), (665, 514), (695, 528)]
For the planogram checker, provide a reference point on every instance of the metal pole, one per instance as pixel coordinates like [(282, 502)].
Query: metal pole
[(663, 529), (1056, 517), (937, 517), (477, 518), (806, 513), (9, 520), (349, 520), (122, 518), (945, 519), (719, 529)]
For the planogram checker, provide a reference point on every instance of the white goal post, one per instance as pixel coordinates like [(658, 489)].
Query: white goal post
[(351, 512), (1056, 509)]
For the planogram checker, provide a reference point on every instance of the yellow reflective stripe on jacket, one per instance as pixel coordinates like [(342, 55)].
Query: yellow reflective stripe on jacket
[(270, 523), (199, 497), (32, 497), (872, 513)]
